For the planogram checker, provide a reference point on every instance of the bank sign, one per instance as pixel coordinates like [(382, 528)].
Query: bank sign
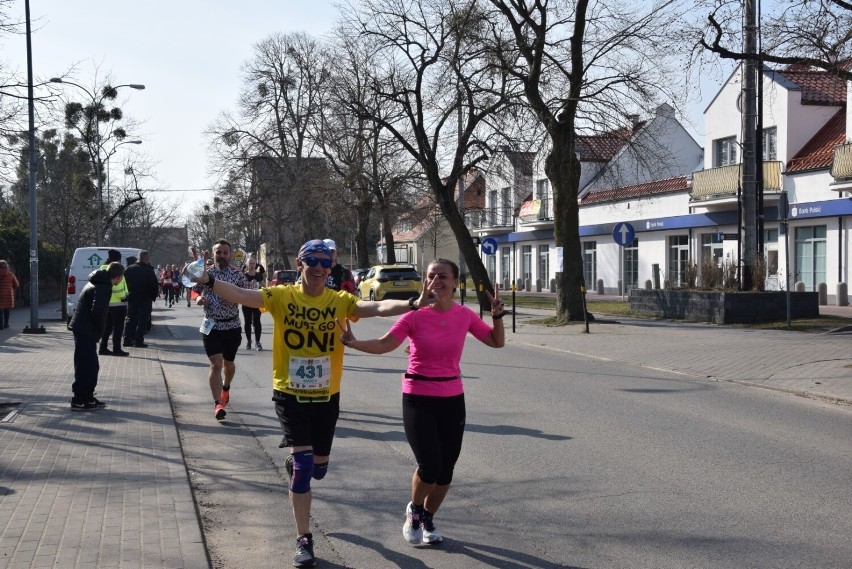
[(827, 208)]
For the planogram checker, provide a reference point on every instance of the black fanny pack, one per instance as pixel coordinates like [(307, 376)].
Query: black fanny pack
[(418, 377)]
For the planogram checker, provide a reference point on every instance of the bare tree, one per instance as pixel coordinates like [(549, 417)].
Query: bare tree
[(583, 64), (793, 32), (435, 69), (269, 142)]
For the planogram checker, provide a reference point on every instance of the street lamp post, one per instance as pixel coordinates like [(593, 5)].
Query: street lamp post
[(96, 103)]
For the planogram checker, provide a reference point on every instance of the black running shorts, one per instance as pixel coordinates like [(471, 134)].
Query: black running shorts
[(307, 423), (225, 342)]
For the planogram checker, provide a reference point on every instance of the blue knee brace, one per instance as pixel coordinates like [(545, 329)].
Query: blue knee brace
[(303, 468)]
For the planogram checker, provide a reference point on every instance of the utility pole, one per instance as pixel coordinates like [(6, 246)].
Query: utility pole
[(752, 165), (34, 327)]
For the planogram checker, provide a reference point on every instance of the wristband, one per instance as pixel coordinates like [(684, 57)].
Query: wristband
[(211, 280), (411, 304), (498, 316)]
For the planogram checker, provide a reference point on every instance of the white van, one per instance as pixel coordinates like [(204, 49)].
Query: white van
[(83, 262)]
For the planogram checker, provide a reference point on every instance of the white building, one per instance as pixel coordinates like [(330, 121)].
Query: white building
[(686, 217)]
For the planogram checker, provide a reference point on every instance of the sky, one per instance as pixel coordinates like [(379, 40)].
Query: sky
[(188, 53)]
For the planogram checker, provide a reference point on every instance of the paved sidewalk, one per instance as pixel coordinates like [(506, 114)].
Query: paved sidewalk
[(816, 365), (105, 488), (109, 488)]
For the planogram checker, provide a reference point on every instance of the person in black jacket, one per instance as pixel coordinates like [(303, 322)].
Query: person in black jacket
[(88, 323), (142, 291)]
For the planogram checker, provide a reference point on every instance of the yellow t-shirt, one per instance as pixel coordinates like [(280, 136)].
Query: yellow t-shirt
[(307, 356)]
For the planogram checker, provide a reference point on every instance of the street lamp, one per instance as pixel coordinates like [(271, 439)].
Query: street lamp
[(96, 103)]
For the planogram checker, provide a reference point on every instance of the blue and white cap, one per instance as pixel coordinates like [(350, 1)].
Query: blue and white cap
[(313, 246)]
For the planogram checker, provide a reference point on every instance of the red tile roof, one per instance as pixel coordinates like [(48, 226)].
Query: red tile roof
[(819, 150), (604, 147), (676, 184), (818, 87)]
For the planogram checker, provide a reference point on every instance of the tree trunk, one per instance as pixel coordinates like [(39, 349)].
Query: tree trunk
[(563, 170), (471, 256)]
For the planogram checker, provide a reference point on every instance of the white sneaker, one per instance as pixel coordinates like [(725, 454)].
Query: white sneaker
[(430, 534), (259, 347), (411, 530)]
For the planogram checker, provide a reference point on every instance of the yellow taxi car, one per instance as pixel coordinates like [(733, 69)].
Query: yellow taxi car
[(390, 281)]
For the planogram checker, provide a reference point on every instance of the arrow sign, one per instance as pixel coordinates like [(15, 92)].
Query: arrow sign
[(623, 233), (488, 246)]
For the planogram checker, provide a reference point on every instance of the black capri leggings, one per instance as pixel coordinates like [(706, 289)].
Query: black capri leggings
[(434, 427), (252, 316)]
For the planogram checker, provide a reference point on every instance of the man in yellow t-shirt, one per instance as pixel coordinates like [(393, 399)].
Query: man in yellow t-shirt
[(307, 365)]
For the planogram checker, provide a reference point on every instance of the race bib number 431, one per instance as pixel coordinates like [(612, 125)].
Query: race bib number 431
[(309, 374)]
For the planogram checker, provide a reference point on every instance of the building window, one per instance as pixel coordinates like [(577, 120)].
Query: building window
[(492, 208), (711, 248), (403, 225), (770, 239), (541, 187), (631, 266), (526, 263), (770, 144), (678, 259), (506, 264), (544, 266), (726, 151), (506, 207), (491, 267), (590, 264), (810, 256)]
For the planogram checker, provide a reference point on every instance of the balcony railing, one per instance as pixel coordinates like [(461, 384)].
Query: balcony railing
[(536, 210), (723, 181), (841, 167), (489, 217)]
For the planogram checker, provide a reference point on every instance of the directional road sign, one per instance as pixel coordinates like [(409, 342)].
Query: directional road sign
[(489, 246), (623, 233)]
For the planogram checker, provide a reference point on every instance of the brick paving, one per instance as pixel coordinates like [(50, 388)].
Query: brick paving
[(105, 488)]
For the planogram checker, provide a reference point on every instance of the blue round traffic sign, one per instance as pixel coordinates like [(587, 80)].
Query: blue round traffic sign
[(488, 246), (623, 233)]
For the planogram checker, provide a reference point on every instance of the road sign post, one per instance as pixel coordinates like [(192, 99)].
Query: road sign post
[(624, 234)]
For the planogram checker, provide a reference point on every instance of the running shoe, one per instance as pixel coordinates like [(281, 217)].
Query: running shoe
[(98, 403), (80, 406), (430, 534), (225, 397), (259, 347), (411, 530), (304, 552), (219, 411)]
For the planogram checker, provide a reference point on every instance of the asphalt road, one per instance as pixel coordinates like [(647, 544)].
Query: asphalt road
[(568, 462)]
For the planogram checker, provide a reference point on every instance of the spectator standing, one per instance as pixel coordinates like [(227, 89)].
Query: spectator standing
[(340, 277), (221, 330), (117, 312), (256, 276), (88, 323), (142, 291), (8, 284)]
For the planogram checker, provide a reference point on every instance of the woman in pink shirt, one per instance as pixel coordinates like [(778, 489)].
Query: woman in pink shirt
[(433, 409)]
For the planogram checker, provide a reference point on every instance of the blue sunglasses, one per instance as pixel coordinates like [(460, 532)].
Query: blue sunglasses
[(314, 261)]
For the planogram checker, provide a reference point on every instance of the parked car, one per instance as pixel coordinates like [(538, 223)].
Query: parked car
[(284, 277), (358, 274), (390, 281)]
